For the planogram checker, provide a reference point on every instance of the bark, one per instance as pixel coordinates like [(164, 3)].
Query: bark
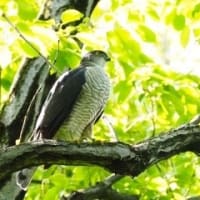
[(117, 157), (23, 100), (18, 117)]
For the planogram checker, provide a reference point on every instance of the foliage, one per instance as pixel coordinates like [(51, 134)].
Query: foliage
[(155, 77)]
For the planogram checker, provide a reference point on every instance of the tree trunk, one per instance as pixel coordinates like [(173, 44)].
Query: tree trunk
[(33, 82)]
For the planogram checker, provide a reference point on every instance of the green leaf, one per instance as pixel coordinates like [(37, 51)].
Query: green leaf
[(24, 27), (196, 10), (123, 88), (153, 13), (185, 36), (170, 16), (25, 49), (196, 32), (65, 57), (125, 46), (52, 193), (27, 9), (146, 33), (179, 22), (71, 15)]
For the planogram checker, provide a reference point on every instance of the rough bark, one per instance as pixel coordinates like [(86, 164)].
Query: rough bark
[(21, 112), (28, 92), (118, 157), (19, 115), (23, 100)]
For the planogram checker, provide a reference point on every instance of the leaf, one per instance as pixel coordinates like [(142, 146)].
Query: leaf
[(158, 183), (179, 22), (51, 193), (59, 180), (196, 32), (126, 46), (25, 49), (153, 13), (27, 10), (196, 10), (71, 15), (170, 16), (146, 33), (24, 27), (185, 36), (123, 88)]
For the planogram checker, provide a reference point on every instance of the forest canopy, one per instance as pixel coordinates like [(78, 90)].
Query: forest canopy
[(154, 71)]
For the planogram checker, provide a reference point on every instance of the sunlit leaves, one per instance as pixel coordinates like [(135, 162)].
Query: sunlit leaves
[(66, 55), (185, 36), (125, 46), (146, 33), (58, 180), (196, 10), (179, 22), (25, 49), (144, 40), (71, 15), (27, 10)]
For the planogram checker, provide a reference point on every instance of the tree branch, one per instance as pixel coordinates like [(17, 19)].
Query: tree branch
[(100, 191), (118, 157), (32, 74)]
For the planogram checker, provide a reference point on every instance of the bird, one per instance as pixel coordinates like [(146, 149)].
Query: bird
[(74, 104), (76, 100)]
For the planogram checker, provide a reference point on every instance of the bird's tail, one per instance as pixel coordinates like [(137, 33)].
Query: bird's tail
[(23, 177)]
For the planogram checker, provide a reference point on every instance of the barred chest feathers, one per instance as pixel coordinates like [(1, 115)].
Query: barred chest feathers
[(89, 105)]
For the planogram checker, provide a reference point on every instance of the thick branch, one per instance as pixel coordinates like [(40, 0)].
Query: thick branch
[(116, 157)]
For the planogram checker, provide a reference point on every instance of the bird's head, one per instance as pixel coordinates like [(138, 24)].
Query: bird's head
[(97, 57)]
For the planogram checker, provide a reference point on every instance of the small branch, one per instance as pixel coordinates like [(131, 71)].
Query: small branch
[(112, 179), (100, 191), (26, 40)]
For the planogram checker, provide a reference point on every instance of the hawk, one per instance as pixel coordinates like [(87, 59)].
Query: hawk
[(74, 104)]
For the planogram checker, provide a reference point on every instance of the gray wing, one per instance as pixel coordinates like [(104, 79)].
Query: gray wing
[(59, 102)]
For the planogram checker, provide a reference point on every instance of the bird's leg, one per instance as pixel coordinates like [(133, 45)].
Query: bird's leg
[(87, 134)]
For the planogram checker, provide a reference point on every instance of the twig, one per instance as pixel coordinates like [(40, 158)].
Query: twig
[(56, 56), (26, 40), (26, 116), (102, 190), (110, 180)]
